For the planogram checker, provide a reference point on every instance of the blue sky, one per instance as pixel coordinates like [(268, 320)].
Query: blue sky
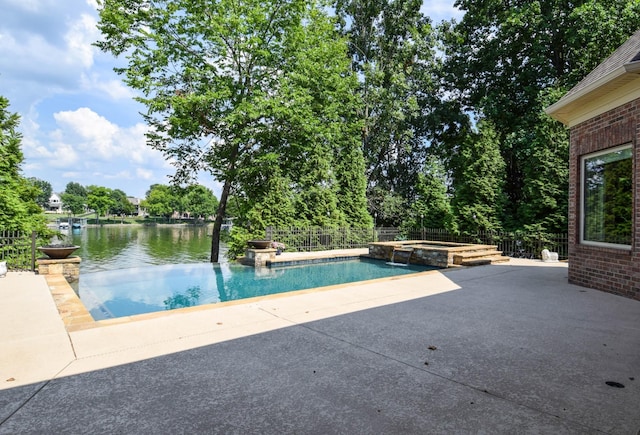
[(79, 121)]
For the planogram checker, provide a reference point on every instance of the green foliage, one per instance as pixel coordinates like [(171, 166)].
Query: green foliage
[(238, 238), (507, 61), (45, 191), (73, 203), (431, 206), (121, 205), (231, 85), (200, 201), (100, 199), (546, 171), (389, 208), (477, 181), (393, 51), (159, 201), (73, 188), (74, 198), (596, 29), (19, 209)]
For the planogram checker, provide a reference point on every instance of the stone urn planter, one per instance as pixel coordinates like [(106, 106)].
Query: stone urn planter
[(259, 244), (57, 252)]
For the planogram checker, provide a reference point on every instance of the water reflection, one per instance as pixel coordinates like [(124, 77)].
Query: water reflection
[(182, 300), (114, 247)]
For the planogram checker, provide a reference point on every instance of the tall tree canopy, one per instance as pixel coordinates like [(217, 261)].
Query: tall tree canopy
[(19, 209), (392, 47), (218, 77), (504, 60)]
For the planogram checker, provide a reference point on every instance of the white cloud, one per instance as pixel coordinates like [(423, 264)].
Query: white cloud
[(114, 88), (96, 132), (144, 174), (81, 34)]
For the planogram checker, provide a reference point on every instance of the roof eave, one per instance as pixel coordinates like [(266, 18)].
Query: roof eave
[(555, 110)]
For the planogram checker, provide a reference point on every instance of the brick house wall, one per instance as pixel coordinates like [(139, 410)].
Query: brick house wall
[(608, 269)]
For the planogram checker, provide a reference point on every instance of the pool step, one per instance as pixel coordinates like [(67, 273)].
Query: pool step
[(479, 257)]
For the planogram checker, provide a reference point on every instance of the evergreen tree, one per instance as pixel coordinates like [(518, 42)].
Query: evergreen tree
[(19, 210), (478, 179), (431, 207)]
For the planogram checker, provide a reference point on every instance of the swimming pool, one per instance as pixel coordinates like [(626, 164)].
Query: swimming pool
[(119, 293)]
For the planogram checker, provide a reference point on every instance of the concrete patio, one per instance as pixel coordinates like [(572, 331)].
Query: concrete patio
[(509, 348)]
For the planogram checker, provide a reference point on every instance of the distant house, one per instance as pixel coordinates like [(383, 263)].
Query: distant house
[(138, 210), (603, 114), (55, 203)]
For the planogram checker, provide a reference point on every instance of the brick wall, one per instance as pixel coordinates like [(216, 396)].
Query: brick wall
[(611, 270)]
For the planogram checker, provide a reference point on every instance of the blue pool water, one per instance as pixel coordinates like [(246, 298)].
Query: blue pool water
[(141, 290)]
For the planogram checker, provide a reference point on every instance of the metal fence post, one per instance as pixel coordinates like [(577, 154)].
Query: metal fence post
[(33, 251)]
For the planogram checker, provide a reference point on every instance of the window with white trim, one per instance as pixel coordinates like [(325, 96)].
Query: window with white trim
[(607, 198)]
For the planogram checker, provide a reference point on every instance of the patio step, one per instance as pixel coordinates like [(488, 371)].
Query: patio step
[(479, 257)]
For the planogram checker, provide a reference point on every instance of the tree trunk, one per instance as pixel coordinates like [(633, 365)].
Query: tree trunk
[(217, 225)]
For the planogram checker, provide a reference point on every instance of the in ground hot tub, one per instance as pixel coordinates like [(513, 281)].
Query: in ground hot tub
[(436, 254)]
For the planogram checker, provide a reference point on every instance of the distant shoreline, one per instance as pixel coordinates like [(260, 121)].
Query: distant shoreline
[(137, 224)]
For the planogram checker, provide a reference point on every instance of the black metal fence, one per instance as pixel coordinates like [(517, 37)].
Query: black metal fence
[(521, 244), (512, 243), (321, 238), (18, 250)]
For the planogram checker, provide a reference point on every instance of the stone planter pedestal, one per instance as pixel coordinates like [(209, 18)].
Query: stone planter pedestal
[(258, 257), (69, 267)]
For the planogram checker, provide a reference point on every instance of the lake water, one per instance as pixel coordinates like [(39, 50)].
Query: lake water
[(116, 247)]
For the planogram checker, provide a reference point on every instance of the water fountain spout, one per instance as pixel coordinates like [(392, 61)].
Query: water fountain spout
[(392, 261)]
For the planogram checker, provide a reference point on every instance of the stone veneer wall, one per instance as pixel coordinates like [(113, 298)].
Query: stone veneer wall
[(611, 270), (427, 257), (69, 267), (258, 257)]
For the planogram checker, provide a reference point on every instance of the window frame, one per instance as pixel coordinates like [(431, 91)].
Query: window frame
[(582, 194)]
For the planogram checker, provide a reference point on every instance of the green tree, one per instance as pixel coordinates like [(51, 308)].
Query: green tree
[(100, 200), (392, 47), (431, 207), (19, 210), (73, 188), (121, 204), (159, 201), (478, 180), (388, 208), (74, 198), (200, 201), (45, 191), (214, 77), (503, 60), (74, 203)]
